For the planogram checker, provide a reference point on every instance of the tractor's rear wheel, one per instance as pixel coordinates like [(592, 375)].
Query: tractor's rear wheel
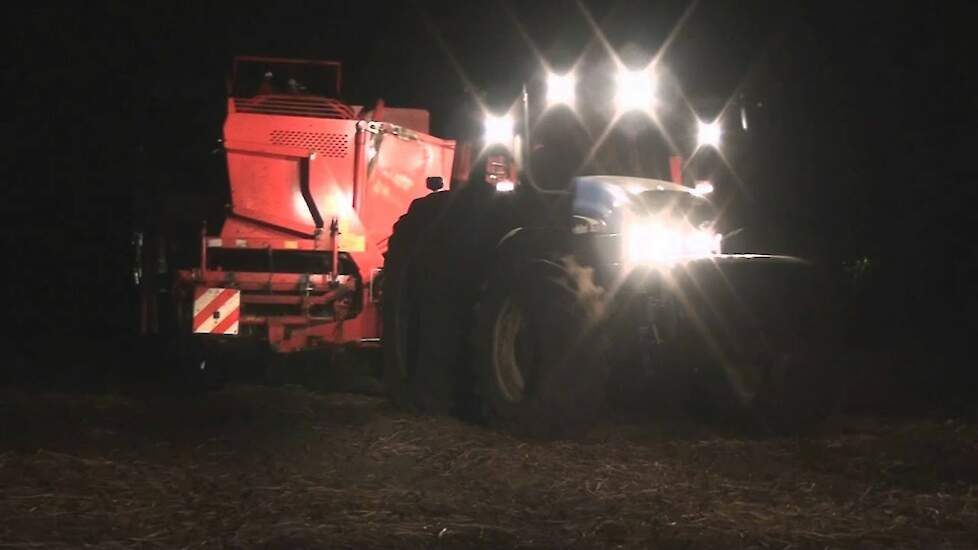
[(539, 349)]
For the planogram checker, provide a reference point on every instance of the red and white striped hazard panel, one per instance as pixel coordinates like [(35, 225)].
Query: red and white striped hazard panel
[(216, 311)]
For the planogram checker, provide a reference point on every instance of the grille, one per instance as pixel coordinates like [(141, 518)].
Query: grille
[(330, 145)]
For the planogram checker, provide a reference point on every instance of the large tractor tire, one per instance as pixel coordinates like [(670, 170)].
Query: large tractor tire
[(539, 348), (783, 389), (418, 347), (778, 359), (802, 380)]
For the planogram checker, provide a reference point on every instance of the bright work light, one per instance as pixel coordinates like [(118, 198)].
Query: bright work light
[(560, 89), (708, 134), (635, 90), (498, 129)]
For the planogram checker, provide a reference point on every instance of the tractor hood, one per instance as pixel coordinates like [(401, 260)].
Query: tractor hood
[(602, 204), (658, 222)]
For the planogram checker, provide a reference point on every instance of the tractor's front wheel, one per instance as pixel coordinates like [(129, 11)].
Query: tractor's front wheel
[(775, 354), (539, 348), (787, 387)]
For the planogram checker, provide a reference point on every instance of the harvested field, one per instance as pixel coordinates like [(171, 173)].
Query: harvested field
[(265, 467)]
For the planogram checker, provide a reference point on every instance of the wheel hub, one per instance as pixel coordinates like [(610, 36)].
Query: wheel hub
[(510, 354)]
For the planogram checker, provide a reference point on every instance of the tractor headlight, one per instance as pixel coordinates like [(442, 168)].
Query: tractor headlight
[(656, 243)]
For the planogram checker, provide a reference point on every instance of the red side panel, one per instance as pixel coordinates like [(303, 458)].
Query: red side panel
[(265, 156), (396, 176)]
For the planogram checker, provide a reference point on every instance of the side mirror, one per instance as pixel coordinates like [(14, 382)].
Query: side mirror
[(434, 183)]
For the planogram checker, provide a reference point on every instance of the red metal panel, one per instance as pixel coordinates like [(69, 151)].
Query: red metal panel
[(395, 177), (264, 156)]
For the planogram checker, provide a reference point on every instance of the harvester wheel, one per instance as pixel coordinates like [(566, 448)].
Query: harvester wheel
[(416, 372), (539, 348)]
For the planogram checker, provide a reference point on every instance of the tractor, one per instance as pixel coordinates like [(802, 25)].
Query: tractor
[(527, 305)]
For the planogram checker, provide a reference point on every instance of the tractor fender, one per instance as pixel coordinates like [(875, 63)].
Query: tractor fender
[(532, 241)]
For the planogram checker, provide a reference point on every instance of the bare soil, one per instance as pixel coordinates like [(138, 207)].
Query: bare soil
[(267, 467)]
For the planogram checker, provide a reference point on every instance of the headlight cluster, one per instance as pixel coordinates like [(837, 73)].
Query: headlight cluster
[(655, 243)]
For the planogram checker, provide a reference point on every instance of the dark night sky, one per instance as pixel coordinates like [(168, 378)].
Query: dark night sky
[(866, 145)]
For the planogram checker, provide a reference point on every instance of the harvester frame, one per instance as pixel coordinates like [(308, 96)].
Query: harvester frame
[(315, 186)]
